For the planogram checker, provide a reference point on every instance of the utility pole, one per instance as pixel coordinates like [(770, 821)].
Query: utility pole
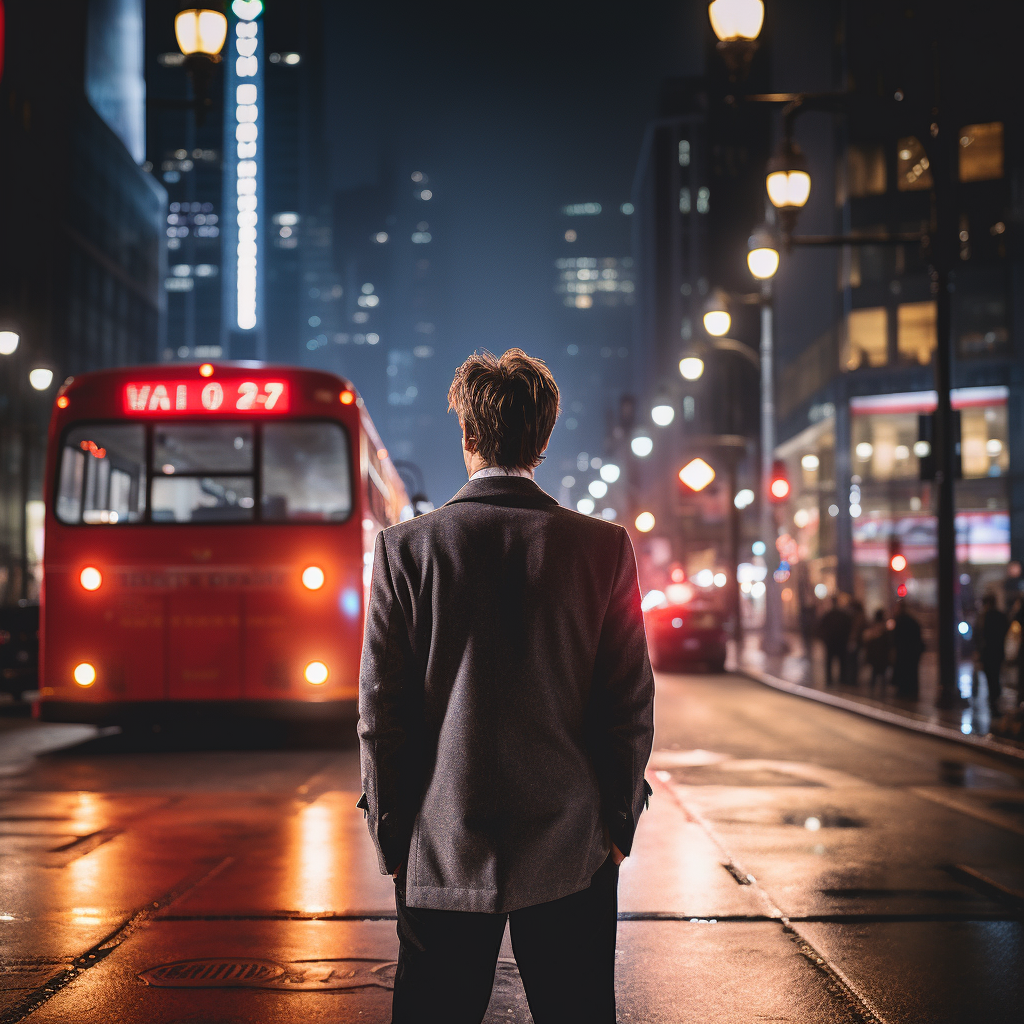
[(772, 640), (942, 249)]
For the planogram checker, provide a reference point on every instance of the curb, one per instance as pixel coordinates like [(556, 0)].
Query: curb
[(902, 720)]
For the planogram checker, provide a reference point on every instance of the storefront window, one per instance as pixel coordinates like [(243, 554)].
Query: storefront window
[(984, 448), (981, 151), (916, 332)]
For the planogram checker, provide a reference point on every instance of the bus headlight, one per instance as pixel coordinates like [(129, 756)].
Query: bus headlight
[(90, 578), (316, 673), (84, 674), (313, 577)]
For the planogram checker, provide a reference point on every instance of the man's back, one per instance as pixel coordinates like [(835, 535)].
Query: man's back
[(512, 644)]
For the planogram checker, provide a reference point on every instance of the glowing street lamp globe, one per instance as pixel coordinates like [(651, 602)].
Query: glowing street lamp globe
[(691, 367), (788, 182), (663, 414), (717, 322), (735, 20), (8, 342), (762, 255), (642, 446), (644, 522), (201, 31)]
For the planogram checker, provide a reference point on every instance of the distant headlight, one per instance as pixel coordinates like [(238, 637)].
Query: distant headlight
[(312, 577), (316, 673)]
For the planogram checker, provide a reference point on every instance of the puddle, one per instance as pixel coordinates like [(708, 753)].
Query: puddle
[(822, 819), (965, 775)]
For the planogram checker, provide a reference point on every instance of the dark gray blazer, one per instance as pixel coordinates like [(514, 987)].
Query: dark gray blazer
[(506, 699)]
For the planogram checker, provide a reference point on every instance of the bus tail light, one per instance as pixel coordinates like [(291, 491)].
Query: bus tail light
[(84, 674), (90, 578), (316, 673), (312, 577)]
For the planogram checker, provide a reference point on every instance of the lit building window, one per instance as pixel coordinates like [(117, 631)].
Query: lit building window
[(916, 334), (913, 173), (981, 152), (865, 168), (866, 341)]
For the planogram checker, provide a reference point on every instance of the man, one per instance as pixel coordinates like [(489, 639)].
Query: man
[(907, 647), (990, 644), (506, 719), (834, 630)]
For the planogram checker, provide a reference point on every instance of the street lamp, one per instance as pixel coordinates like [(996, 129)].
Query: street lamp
[(717, 319), (642, 446), (788, 182), (40, 378), (201, 35), (763, 254), (737, 24), (8, 342), (691, 367), (663, 414)]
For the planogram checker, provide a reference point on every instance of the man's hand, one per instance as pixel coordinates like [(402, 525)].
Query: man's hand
[(617, 855)]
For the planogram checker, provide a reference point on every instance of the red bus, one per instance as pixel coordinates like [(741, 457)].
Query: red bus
[(209, 533)]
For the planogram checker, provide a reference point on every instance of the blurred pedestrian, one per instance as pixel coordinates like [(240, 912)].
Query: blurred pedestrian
[(907, 648), (808, 624), (878, 651), (506, 715), (858, 623), (990, 631), (834, 631)]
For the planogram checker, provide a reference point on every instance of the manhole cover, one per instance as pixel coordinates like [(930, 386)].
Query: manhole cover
[(214, 973), (290, 976)]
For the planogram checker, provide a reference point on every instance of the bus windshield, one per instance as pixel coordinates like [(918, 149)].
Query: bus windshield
[(292, 471)]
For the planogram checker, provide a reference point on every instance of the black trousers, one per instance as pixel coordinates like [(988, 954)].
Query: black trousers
[(565, 951)]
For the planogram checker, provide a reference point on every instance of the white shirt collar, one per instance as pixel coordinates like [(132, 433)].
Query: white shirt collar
[(501, 471)]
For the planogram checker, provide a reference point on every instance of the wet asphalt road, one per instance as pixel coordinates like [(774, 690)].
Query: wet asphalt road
[(798, 864)]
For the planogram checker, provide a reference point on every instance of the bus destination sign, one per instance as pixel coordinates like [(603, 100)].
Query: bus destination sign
[(206, 396)]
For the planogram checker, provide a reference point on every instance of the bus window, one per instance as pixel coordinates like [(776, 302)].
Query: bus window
[(102, 474), (203, 473), (305, 472)]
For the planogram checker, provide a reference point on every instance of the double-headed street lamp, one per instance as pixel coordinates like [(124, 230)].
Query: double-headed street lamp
[(737, 24)]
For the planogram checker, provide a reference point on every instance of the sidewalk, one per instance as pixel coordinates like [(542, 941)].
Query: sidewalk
[(797, 673)]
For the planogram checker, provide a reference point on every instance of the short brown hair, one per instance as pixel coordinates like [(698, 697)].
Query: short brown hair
[(508, 405)]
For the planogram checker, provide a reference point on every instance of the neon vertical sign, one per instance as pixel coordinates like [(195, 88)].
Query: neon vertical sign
[(245, 103)]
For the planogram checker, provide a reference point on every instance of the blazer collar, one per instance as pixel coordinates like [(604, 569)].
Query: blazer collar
[(511, 491)]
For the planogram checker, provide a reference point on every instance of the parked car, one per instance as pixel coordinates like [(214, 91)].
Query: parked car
[(684, 630), (19, 649)]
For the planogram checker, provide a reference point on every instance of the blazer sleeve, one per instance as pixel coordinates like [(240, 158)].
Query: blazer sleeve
[(624, 698), (386, 693)]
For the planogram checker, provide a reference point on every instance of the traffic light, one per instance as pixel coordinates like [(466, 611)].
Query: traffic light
[(897, 560), (778, 485)]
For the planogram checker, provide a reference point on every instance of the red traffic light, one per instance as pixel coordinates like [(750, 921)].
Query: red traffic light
[(901, 590), (898, 562), (778, 485)]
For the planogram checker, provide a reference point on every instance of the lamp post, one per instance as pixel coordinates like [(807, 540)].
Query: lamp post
[(788, 181), (201, 34), (737, 24), (763, 263)]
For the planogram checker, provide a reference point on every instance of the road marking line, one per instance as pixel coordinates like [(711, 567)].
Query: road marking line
[(836, 979), (990, 817)]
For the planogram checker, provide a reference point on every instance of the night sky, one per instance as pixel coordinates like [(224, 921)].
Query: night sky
[(515, 111)]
